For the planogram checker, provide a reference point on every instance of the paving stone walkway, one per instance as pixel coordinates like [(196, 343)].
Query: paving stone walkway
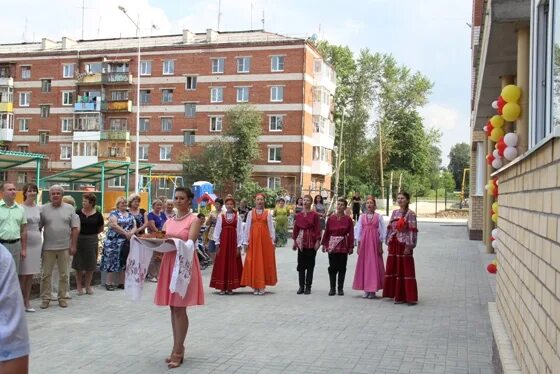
[(447, 332)]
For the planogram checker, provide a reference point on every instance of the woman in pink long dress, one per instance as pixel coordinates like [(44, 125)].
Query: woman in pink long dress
[(185, 226), (369, 231)]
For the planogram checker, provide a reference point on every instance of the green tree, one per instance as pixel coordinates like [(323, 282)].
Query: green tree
[(459, 158), (446, 181)]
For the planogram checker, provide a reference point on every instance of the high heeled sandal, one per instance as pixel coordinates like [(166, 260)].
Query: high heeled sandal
[(168, 358), (175, 360)]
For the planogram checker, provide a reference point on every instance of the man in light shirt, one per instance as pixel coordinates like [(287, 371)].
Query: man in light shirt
[(13, 234)]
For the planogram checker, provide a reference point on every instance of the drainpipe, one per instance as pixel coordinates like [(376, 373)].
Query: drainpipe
[(303, 121)]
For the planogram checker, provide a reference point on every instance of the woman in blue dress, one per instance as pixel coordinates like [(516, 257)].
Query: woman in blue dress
[(117, 243)]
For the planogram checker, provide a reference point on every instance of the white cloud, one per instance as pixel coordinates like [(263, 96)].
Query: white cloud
[(440, 117)]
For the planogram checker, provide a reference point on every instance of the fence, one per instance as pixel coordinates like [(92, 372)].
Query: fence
[(443, 201)]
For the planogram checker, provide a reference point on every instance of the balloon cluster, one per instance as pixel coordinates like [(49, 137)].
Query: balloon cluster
[(492, 267), (493, 238), (492, 187), (509, 110)]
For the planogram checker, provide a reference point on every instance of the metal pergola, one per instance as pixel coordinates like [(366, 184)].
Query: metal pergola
[(11, 159), (99, 173)]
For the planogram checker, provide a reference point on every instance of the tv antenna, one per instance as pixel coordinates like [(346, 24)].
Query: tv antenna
[(219, 13)]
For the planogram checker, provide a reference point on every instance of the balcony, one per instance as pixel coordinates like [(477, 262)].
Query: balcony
[(117, 78), (118, 135), (122, 106), (80, 161), (321, 167), (87, 105), (86, 136), (321, 109), (7, 82), (6, 135), (327, 80), (7, 107), (84, 79), (115, 153), (323, 140)]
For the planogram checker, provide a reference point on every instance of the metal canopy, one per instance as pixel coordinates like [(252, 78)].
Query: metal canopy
[(95, 173), (10, 159)]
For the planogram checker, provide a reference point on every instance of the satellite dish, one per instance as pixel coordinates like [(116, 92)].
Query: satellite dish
[(314, 37)]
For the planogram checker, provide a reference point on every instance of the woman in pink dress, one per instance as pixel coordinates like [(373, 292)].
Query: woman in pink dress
[(185, 226), (369, 232)]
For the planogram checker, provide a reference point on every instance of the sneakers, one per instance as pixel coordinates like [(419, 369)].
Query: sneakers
[(365, 295), (45, 304), (62, 303)]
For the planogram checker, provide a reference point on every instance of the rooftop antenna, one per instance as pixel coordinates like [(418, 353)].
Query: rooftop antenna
[(219, 13), (99, 27), (251, 15), (24, 35), (83, 16), (262, 20)]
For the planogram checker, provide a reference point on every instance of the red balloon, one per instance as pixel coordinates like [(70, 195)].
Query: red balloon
[(489, 158), (501, 147), (501, 103), (496, 192), (489, 129), (492, 238), (500, 111), (491, 268)]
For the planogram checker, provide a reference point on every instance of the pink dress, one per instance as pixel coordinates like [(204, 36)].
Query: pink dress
[(369, 268), (195, 292)]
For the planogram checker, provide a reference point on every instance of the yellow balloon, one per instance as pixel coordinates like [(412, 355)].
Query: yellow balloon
[(495, 207), (511, 93), (495, 262), (490, 188), (496, 134), (497, 121), (511, 111), (495, 218)]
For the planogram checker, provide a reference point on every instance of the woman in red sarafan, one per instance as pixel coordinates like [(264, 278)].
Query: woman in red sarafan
[(400, 276), (227, 270)]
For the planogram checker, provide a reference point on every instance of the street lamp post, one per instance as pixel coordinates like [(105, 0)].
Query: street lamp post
[(137, 167)]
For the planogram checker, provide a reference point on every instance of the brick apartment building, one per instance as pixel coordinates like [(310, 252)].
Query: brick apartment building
[(76, 102)]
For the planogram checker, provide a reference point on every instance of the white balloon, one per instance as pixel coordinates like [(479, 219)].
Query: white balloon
[(497, 163), (495, 244), (496, 154), (485, 128), (511, 139), (510, 153), (495, 104), (495, 233)]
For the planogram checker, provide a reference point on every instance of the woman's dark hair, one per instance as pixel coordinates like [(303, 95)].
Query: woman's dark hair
[(407, 196), (29, 186), (298, 199), (318, 197), (90, 197), (219, 201), (201, 215), (186, 191), (341, 200)]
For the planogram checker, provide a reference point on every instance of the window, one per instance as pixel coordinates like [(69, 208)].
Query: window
[(93, 67), (165, 153), (22, 177), (277, 93), (243, 64), (317, 65), (168, 67), (276, 123), (145, 67), (242, 94), (188, 138), (67, 70), (24, 98), (144, 124), (275, 154), (67, 124), (67, 98), (117, 182), (273, 183), (166, 124), (166, 96), (320, 154), (43, 138), (145, 97), (218, 65), (216, 94), (277, 63), (23, 124), (118, 124), (119, 95), (23, 148), (65, 152), (216, 124), (480, 168), (86, 148), (45, 85), (45, 110), (190, 110), (191, 82), (26, 72), (143, 152)]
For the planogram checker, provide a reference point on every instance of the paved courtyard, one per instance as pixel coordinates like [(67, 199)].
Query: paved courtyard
[(447, 332)]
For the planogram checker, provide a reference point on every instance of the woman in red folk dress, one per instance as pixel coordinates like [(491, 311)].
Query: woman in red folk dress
[(400, 276), (227, 270)]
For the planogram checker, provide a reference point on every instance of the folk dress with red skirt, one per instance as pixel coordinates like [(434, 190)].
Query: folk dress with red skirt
[(400, 275), (228, 267)]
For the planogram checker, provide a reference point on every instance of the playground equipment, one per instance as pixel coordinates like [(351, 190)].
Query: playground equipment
[(199, 189)]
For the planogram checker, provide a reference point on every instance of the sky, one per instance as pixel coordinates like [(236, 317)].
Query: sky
[(430, 36)]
